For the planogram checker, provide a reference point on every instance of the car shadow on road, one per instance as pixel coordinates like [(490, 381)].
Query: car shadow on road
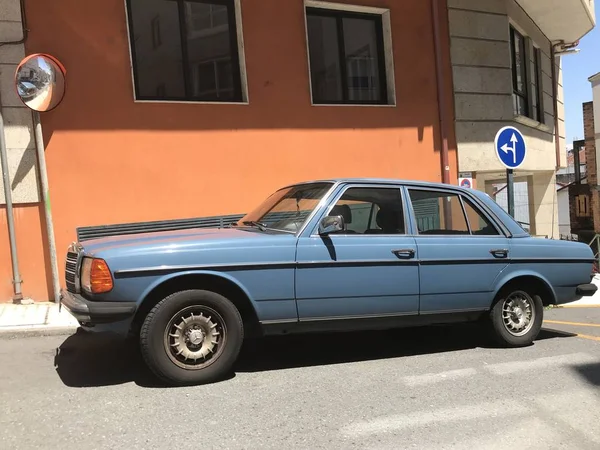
[(91, 360), (589, 372)]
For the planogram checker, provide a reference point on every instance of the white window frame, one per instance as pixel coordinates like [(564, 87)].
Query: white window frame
[(388, 50)]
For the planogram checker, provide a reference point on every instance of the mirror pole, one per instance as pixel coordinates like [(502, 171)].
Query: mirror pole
[(41, 160), (10, 219)]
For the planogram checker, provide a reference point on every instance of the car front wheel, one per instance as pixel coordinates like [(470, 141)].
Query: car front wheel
[(192, 337), (516, 317)]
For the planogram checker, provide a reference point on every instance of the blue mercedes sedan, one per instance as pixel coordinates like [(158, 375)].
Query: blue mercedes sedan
[(335, 255)]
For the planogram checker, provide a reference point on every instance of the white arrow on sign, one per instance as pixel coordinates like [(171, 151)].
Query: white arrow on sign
[(506, 148)]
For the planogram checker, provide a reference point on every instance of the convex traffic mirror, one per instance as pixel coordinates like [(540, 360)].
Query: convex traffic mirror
[(40, 82)]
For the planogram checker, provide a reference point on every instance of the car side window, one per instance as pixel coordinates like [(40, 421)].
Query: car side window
[(441, 213), (438, 213), (370, 211), (480, 225)]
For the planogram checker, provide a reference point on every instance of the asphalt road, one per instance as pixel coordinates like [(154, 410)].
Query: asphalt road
[(431, 388)]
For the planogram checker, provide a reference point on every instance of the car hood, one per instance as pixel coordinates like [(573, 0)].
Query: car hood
[(172, 239)]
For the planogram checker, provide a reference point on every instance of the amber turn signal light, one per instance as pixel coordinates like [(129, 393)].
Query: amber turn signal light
[(100, 278)]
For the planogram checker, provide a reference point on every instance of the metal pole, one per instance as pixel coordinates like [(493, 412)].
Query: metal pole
[(10, 219), (510, 191), (41, 159)]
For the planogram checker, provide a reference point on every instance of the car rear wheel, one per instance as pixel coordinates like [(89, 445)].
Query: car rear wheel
[(516, 317), (192, 337)]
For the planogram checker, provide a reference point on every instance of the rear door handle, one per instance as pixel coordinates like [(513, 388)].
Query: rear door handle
[(404, 253), (499, 252)]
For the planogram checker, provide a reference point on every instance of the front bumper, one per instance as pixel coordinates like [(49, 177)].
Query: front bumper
[(586, 290), (88, 312)]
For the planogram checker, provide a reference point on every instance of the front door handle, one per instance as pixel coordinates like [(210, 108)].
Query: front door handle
[(499, 253), (404, 253)]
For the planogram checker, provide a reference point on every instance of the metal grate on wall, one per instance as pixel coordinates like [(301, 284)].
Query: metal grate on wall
[(101, 231), (88, 233)]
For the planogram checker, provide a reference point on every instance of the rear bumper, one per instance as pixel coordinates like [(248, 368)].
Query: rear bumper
[(89, 312), (586, 290)]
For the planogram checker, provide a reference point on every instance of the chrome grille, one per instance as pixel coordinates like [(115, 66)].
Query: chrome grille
[(71, 272)]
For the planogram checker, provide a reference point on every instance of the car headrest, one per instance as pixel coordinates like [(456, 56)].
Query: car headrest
[(342, 210)]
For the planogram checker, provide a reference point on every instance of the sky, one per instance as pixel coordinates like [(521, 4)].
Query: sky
[(577, 68)]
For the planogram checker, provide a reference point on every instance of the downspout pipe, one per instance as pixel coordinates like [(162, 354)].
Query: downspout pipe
[(445, 165), (555, 104), (10, 218)]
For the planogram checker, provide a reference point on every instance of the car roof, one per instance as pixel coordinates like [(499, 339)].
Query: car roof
[(509, 222), (381, 181)]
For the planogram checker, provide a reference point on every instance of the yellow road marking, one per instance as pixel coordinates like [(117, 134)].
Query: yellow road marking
[(578, 324), (579, 306), (587, 336)]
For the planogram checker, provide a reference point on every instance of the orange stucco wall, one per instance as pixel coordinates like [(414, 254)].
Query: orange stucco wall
[(111, 160)]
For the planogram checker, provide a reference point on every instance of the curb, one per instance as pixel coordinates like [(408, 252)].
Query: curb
[(40, 331)]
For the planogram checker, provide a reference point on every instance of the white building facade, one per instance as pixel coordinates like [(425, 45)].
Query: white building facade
[(506, 62)]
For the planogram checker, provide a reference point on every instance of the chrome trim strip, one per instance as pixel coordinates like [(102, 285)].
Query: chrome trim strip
[(365, 316), (451, 311)]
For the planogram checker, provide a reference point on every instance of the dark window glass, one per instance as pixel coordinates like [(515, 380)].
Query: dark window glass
[(519, 73), (197, 55), (371, 211), (537, 92), (347, 63)]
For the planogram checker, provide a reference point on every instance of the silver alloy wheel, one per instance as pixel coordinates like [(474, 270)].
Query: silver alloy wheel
[(518, 313), (195, 337)]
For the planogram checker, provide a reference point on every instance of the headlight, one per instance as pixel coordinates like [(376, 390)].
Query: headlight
[(95, 276)]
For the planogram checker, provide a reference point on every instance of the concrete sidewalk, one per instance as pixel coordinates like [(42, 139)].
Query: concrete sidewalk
[(40, 318)]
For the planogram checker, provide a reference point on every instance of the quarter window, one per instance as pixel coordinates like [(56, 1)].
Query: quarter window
[(196, 60), (441, 213), (347, 59), (371, 211)]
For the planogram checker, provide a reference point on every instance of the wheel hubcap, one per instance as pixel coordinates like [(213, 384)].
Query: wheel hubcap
[(195, 337), (518, 313)]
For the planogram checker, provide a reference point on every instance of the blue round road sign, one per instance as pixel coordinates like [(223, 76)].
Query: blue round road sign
[(510, 147), (465, 183)]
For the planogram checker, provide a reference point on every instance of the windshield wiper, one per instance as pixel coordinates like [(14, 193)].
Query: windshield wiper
[(260, 226)]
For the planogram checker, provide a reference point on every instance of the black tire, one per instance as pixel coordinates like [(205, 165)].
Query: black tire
[(498, 324), (160, 338)]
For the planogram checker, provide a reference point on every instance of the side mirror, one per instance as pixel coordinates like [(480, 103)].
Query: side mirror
[(331, 224)]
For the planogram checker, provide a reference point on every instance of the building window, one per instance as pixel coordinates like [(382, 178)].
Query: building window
[(199, 59), (582, 206), (537, 91), (519, 73), (347, 57)]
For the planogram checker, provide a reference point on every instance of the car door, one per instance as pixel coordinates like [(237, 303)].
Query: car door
[(367, 270), (461, 250)]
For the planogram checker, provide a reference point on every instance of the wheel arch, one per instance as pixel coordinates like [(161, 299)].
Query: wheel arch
[(217, 282), (529, 279)]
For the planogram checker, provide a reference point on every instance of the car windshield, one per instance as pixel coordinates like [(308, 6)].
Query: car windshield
[(287, 209)]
